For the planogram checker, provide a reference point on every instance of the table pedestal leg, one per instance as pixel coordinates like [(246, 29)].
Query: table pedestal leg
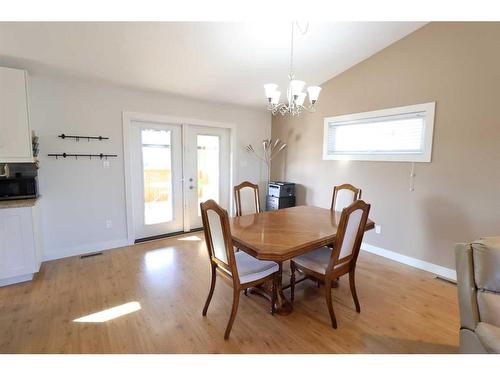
[(283, 306)]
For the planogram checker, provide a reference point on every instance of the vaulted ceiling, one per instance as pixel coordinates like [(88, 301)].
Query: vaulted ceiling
[(227, 62)]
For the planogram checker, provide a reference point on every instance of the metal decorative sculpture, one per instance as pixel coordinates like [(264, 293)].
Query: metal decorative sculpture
[(271, 148)]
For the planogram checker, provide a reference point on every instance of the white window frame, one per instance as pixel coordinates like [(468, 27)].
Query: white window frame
[(427, 108)]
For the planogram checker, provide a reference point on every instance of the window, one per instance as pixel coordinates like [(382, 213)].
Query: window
[(394, 134)]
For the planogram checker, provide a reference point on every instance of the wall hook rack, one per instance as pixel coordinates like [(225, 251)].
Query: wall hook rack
[(90, 156), (78, 137)]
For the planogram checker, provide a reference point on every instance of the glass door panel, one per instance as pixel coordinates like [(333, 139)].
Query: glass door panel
[(206, 169), (157, 187), (208, 162), (157, 171)]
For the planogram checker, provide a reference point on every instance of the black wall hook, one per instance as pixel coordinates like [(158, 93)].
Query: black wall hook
[(100, 156), (78, 137)]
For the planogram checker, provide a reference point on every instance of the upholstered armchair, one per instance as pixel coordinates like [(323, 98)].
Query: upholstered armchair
[(478, 279)]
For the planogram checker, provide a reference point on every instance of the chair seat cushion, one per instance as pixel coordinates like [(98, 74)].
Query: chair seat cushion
[(252, 269), (488, 304), (316, 260), (489, 335)]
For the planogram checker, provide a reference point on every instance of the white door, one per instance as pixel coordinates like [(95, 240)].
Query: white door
[(173, 169), (207, 170), (157, 186)]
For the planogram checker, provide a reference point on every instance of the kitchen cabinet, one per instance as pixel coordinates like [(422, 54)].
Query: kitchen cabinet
[(15, 133), (20, 242)]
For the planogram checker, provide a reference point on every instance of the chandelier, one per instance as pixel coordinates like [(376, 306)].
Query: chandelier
[(295, 95)]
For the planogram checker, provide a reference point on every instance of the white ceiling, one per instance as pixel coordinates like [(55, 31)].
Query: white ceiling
[(227, 62)]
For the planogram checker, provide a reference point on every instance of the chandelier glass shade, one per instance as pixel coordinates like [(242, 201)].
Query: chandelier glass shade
[(295, 94)]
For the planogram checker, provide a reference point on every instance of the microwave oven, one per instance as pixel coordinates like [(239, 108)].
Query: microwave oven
[(18, 188)]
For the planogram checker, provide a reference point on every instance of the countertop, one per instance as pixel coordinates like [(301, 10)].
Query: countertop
[(18, 203)]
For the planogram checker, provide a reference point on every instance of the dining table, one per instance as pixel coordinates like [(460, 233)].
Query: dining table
[(283, 234)]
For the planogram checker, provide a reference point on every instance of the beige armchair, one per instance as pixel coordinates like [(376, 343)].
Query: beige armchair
[(478, 278)]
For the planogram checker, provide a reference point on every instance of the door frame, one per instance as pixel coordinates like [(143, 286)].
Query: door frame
[(129, 116)]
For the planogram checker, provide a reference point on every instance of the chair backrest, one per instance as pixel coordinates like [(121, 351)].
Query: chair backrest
[(218, 236), (350, 233), (344, 195), (246, 198)]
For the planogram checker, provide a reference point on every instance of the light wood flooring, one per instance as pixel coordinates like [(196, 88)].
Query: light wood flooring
[(403, 310)]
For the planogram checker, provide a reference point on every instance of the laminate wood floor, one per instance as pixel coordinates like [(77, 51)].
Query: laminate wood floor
[(403, 310)]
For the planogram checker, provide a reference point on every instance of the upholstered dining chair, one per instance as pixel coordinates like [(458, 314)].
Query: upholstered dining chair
[(243, 270), (344, 195), (328, 264), (246, 198)]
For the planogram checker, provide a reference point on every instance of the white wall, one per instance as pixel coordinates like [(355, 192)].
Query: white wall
[(78, 196)]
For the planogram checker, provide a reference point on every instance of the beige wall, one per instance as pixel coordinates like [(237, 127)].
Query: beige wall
[(456, 196)]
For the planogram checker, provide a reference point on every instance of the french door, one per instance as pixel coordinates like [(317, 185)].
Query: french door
[(173, 168), (206, 169)]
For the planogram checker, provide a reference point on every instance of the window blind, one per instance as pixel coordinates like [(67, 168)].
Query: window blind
[(394, 134), (384, 135)]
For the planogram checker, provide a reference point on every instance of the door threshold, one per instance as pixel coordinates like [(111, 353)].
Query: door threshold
[(166, 235)]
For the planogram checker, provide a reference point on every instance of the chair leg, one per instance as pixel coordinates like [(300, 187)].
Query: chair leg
[(292, 281), (274, 295), (328, 295), (211, 292), (352, 284), (234, 309)]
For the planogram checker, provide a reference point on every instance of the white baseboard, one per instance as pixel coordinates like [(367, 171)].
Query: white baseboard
[(447, 273), (84, 249), (16, 279)]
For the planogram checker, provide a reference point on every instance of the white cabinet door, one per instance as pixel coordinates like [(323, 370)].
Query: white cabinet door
[(17, 250), (15, 137)]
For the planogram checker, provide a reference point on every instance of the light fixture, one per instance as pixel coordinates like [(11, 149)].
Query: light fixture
[(295, 95)]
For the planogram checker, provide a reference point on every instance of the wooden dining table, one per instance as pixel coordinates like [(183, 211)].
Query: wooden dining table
[(284, 234)]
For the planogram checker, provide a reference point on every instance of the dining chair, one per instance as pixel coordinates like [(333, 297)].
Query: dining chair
[(344, 195), (246, 198), (326, 264), (243, 270)]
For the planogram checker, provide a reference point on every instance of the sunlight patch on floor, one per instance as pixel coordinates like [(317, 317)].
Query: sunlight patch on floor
[(110, 314), (190, 238), (159, 259)]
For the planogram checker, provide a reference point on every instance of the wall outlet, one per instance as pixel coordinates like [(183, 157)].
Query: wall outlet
[(378, 228), (106, 164), (109, 224)]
